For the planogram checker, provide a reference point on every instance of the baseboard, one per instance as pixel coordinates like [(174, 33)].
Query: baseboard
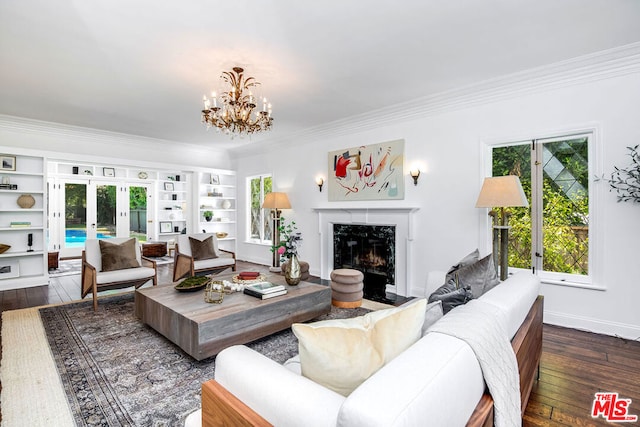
[(622, 330)]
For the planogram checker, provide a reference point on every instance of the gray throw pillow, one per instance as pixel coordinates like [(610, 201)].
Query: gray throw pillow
[(480, 276), (202, 249), (118, 256), (467, 260), (432, 314), (450, 295)]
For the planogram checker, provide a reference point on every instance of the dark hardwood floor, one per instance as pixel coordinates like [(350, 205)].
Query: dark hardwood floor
[(575, 364)]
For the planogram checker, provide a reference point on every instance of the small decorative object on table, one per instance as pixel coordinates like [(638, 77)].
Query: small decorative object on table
[(214, 292), (248, 277), (191, 284), (293, 272)]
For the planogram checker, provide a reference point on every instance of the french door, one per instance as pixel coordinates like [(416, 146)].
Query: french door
[(95, 209)]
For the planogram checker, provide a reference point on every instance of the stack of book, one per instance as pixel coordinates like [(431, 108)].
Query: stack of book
[(8, 186), (20, 224), (264, 290)]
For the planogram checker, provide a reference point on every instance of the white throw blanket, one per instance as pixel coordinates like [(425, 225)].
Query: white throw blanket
[(482, 327)]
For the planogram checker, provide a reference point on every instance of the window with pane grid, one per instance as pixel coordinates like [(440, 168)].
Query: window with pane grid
[(259, 230), (551, 236)]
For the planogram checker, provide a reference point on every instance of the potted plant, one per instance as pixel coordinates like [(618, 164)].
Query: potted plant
[(207, 215)]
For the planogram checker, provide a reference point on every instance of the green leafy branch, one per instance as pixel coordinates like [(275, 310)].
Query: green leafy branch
[(626, 182)]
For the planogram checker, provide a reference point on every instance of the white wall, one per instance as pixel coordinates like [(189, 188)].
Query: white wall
[(450, 145), (74, 143)]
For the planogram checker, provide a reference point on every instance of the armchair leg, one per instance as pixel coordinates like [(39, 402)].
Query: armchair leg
[(95, 296)]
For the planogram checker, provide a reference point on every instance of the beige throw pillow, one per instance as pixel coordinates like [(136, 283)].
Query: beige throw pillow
[(118, 256), (342, 354)]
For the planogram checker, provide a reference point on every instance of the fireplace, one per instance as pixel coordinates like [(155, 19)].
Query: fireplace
[(369, 249), (399, 217)]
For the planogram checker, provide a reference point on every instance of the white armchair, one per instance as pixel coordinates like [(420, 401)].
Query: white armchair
[(185, 263), (94, 279)]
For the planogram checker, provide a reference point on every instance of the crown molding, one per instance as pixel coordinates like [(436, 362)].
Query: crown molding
[(601, 65), (83, 134)]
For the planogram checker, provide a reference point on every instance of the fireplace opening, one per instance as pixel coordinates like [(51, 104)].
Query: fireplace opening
[(369, 249)]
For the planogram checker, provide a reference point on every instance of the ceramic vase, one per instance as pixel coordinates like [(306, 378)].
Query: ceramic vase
[(26, 201), (292, 272)]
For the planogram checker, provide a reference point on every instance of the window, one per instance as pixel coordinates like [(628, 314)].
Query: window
[(551, 236), (259, 229)]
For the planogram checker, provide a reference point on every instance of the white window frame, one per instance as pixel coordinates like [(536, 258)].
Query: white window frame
[(263, 212), (593, 280)]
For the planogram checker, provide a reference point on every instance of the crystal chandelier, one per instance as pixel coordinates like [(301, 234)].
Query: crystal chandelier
[(233, 112)]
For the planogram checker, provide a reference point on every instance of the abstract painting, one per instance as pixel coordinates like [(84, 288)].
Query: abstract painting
[(368, 172)]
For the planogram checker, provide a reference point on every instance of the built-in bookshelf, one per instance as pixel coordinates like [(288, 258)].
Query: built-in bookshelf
[(23, 221), (173, 189), (217, 195)]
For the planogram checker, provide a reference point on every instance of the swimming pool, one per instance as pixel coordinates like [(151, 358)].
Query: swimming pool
[(75, 238)]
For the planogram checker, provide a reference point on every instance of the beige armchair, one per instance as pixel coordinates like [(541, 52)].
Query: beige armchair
[(207, 257), (120, 265)]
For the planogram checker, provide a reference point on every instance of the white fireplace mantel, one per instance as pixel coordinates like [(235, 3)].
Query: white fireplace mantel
[(400, 217)]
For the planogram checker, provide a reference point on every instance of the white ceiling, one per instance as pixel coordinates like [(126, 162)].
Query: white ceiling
[(141, 67)]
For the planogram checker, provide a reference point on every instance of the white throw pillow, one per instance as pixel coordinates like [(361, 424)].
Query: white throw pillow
[(341, 354)]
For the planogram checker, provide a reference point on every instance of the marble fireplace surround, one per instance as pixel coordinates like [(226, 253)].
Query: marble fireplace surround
[(401, 217)]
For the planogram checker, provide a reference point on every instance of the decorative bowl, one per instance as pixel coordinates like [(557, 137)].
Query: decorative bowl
[(191, 284), (237, 279), (4, 248), (221, 234)]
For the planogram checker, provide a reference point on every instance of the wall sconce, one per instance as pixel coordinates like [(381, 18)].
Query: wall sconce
[(415, 173), (320, 182)]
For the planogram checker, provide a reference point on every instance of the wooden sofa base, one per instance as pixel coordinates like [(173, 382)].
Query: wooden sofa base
[(221, 408)]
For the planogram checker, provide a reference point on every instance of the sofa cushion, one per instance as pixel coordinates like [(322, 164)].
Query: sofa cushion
[(450, 295), (202, 249), (514, 296), (120, 256), (467, 260), (432, 313), (480, 276), (341, 354)]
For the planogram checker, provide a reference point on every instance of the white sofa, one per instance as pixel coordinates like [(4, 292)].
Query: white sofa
[(437, 381)]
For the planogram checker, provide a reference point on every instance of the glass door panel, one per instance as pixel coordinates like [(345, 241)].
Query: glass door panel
[(75, 215), (106, 211), (138, 212)]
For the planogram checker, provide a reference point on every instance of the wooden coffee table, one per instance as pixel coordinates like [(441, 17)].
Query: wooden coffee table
[(203, 330)]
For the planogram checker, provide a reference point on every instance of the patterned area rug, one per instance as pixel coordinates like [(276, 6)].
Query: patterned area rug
[(118, 371)]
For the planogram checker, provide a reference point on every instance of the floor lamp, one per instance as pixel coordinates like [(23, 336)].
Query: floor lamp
[(501, 192), (276, 202)]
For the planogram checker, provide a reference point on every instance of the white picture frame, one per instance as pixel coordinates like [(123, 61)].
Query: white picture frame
[(215, 179), (108, 172), (7, 163), (166, 227)]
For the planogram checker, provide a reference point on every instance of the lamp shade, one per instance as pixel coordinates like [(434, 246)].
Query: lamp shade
[(501, 191), (276, 201)]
